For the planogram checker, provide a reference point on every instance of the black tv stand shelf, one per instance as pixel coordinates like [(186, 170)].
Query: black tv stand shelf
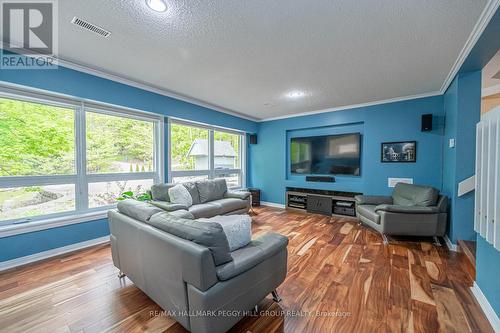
[(342, 202)]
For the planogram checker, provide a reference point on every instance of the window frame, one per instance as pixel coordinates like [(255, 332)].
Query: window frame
[(211, 173), (80, 178)]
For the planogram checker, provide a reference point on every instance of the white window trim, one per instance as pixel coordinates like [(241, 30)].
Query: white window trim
[(80, 179), (211, 172)]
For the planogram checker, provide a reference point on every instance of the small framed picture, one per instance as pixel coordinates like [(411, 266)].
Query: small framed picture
[(399, 152)]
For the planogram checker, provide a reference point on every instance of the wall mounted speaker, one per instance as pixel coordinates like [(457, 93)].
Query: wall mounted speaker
[(426, 122), (253, 139)]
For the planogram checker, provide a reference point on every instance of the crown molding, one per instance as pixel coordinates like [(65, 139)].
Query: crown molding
[(353, 106), (481, 24)]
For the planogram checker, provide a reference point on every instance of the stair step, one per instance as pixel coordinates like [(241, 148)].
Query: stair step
[(468, 248)]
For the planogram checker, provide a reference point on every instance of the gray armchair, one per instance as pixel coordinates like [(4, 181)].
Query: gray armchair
[(412, 210)]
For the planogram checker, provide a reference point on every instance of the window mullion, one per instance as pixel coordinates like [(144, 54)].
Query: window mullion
[(211, 152), (82, 198)]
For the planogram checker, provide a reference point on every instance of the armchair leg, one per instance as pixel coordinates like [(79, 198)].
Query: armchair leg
[(436, 241), (385, 239), (276, 297), (121, 275)]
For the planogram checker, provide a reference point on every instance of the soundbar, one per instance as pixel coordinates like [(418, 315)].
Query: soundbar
[(320, 179)]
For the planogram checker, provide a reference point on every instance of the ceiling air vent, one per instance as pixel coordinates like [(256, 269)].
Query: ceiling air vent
[(91, 27)]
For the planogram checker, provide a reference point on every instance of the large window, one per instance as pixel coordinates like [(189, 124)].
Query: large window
[(200, 152), (66, 158)]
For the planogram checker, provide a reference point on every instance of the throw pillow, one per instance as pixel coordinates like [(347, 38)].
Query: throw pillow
[(180, 195), (238, 229)]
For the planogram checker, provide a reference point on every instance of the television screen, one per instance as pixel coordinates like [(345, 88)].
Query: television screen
[(323, 155)]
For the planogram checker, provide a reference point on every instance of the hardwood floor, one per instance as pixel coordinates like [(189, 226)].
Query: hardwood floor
[(341, 278)]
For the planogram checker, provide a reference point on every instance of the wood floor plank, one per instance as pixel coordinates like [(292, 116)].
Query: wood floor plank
[(341, 278)]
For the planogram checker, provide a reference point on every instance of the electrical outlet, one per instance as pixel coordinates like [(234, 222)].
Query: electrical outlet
[(451, 143)]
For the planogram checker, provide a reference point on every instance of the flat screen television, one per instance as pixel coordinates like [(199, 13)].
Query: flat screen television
[(324, 155)]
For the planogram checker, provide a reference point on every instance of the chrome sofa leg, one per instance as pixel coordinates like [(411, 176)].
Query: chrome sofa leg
[(385, 239), (436, 241), (121, 275), (276, 297)]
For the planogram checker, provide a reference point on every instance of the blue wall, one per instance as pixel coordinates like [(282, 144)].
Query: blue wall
[(398, 121), (39, 241), (462, 104), (85, 86)]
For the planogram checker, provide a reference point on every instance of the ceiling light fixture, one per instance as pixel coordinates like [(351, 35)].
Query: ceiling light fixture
[(157, 5), (295, 94)]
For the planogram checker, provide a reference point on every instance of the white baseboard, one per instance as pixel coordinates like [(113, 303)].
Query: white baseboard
[(451, 246), (486, 306), (4, 265), (272, 204)]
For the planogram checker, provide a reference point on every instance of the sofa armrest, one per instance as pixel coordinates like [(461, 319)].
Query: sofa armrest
[(237, 194), (257, 251), (373, 200), (407, 209), (168, 206)]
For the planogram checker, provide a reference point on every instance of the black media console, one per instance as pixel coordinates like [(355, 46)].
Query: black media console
[(321, 201)]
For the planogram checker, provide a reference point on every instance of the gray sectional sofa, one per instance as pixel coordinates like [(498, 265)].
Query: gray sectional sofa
[(185, 265), (412, 210), (210, 198)]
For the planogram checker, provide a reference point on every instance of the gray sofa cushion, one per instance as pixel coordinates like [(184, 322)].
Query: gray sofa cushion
[(205, 210), (138, 210), (208, 234), (368, 211), (251, 255), (210, 190), (229, 204), (407, 209), (182, 213), (168, 206), (159, 192), (237, 194), (414, 195), (193, 190)]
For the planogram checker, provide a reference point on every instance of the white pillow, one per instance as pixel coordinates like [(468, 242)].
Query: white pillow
[(180, 195), (238, 229)]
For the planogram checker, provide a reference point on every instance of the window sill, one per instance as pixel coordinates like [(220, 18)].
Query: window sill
[(17, 229)]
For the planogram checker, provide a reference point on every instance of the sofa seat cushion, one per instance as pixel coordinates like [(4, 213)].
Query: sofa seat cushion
[(257, 251), (138, 210), (228, 205), (414, 195), (210, 190), (208, 234), (182, 213), (368, 212), (205, 210)]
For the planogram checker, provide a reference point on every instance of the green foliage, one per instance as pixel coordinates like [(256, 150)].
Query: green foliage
[(116, 139), (35, 139), (139, 196), (38, 139)]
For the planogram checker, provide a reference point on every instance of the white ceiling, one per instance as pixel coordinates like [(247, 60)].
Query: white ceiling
[(244, 56)]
